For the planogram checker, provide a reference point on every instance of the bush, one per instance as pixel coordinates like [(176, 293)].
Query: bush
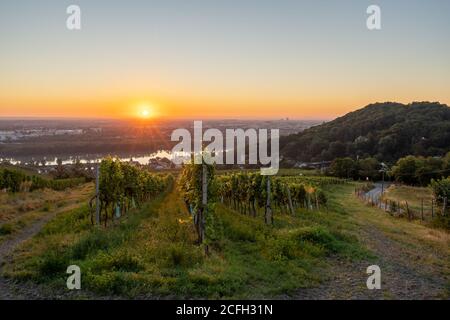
[(118, 261), (442, 222), (113, 283), (91, 243), (177, 255), (11, 180), (318, 236), (321, 197), (57, 185), (441, 189), (6, 229), (53, 262)]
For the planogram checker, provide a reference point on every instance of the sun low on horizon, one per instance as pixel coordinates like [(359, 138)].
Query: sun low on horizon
[(293, 59), (146, 111)]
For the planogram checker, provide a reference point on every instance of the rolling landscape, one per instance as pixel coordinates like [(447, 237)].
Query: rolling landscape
[(153, 250), (345, 196)]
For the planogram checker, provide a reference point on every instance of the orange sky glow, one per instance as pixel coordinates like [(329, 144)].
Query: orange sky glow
[(253, 60)]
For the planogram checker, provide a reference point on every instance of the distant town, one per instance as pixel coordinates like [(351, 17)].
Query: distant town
[(42, 145)]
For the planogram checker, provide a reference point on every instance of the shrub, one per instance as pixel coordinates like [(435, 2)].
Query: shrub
[(442, 222), (318, 236), (441, 189), (91, 243), (11, 180), (6, 229), (112, 283), (53, 262), (118, 261)]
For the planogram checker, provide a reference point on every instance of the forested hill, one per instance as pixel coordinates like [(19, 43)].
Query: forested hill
[(386, 131)]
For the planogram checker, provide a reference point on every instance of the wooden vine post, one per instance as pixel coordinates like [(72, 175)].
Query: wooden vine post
[(291, 207), (432, 208), (203, 212), (408, 211), (421, 210), (444, 208), (97, 194), (317, 201), (268, 217)]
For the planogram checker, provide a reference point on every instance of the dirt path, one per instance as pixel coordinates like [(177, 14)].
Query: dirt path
[(414, 260), (8, 289)]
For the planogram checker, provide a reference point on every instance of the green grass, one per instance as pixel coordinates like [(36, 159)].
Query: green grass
[(26, 170), (281, 172), (6, 229), (413, 195), (18, 211), (152, 252)]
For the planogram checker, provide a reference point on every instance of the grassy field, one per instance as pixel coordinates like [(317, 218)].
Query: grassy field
[(19, 210), (416, 255), (413, 195), (281, 171), (151, 253)]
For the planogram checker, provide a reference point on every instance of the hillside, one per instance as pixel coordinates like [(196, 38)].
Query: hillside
[(152, 253), (386, 131)]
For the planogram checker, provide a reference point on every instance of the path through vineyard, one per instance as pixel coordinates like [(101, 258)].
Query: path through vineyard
[(168, 210), (413, 258)]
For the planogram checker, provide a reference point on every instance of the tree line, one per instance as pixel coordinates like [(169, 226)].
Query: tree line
[(411, 170), (420, 171)]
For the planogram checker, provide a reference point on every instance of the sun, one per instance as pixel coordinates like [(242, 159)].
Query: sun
[(146, 111)]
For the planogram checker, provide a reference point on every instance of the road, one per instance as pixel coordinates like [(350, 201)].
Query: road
[(376, 192)]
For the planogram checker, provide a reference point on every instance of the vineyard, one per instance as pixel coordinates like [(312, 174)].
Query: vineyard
[(122, 186), (214, 234), (249, 193)]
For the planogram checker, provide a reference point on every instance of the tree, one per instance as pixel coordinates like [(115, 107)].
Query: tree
[(428, 169), (446, 164), (343, 168), (369, 167), (2, 181), (405, 170), (78, 169), (60, 171), (12, 180), (441, 190)]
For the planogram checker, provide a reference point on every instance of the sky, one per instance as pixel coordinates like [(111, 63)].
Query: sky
[(202, 59)]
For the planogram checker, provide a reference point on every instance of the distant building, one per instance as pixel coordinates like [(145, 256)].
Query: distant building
[(161, 163)]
